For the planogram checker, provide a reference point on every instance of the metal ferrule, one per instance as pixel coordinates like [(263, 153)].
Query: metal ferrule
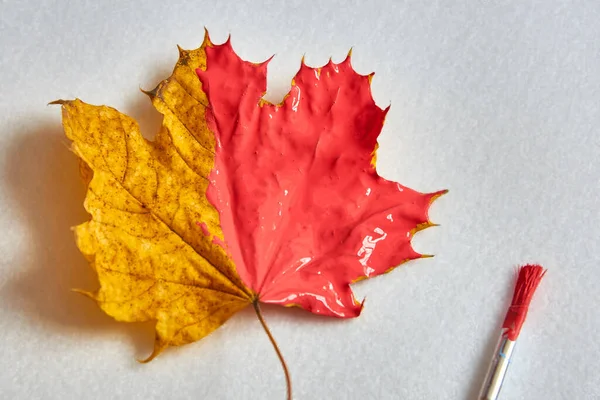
[(497, 371)]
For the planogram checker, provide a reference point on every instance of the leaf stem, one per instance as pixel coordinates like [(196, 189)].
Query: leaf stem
[(288, 381)]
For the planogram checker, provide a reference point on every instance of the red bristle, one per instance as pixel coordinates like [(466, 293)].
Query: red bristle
[(527, 281)]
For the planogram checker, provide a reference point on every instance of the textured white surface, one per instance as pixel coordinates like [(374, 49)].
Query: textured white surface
[(498, 101)]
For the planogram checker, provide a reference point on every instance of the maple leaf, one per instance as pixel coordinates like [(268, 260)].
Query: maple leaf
[(239, 201)]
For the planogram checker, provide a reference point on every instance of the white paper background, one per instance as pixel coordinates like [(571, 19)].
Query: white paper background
[(498, 101)]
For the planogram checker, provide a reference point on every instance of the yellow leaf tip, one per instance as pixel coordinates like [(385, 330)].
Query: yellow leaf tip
[(158, 348), (206, 41), (348, 58), (182, 52), (439, 193), (421, 226), (59, 102), (150, 93), (370, 77), (85, 293), (147, 360), (432, 198)]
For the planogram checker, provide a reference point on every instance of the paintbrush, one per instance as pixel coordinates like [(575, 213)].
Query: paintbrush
[(528, 279)]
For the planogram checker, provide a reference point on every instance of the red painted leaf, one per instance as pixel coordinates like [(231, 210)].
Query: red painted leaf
[(303, 211)]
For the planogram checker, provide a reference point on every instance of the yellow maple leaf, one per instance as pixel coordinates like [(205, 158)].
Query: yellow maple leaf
[(145, 198)]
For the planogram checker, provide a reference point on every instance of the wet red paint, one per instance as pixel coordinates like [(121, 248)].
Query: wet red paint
[(528, 279), (303, 212), (204, 228)]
